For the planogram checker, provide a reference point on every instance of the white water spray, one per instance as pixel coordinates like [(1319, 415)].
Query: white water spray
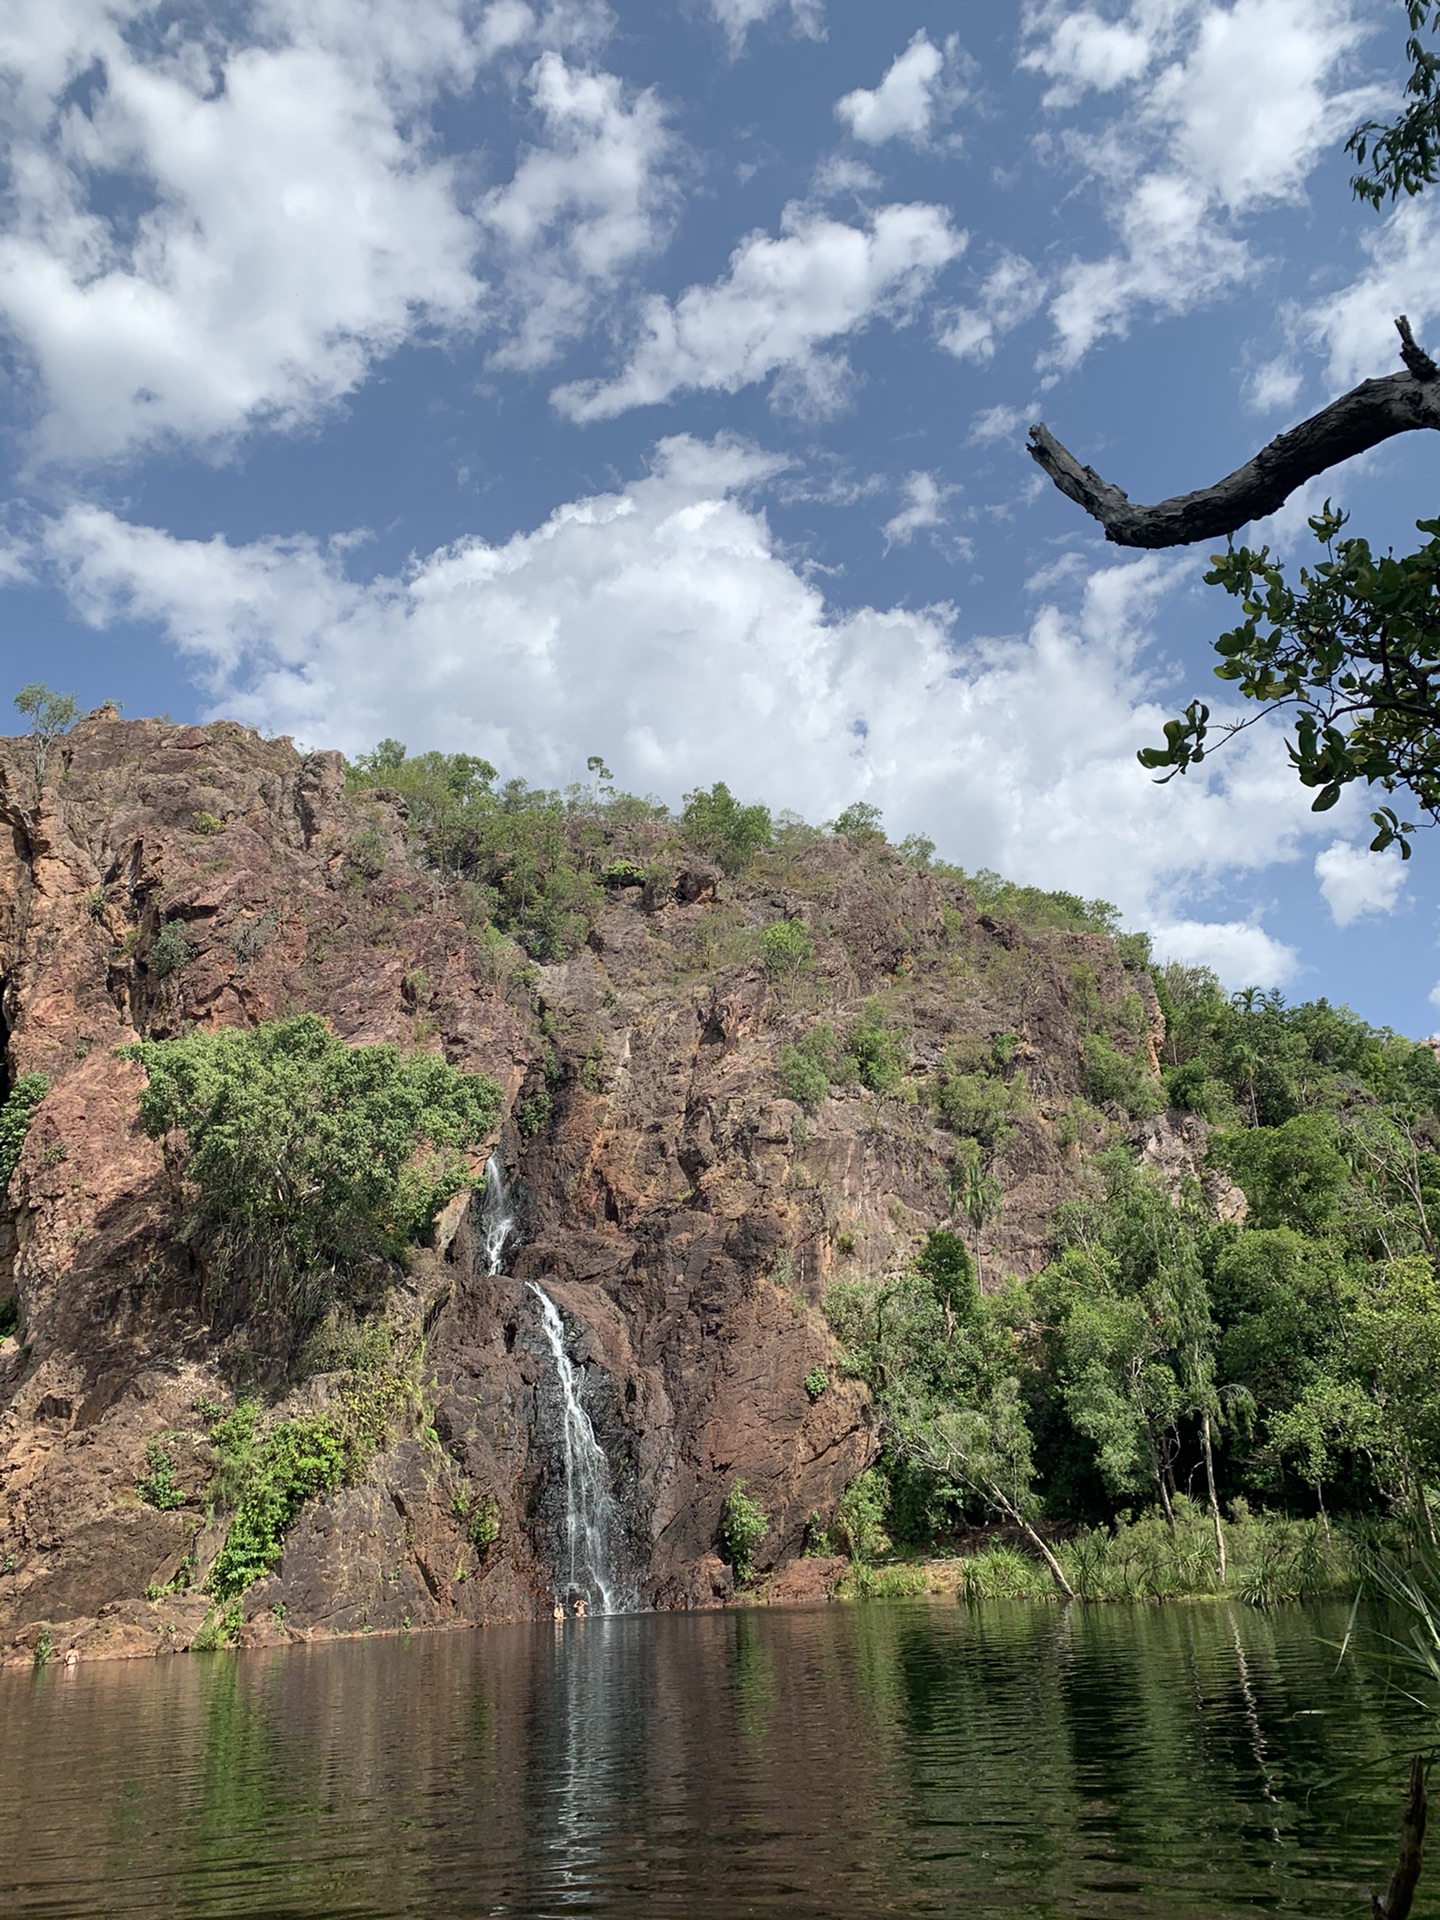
[(497, 1220), (591, 1515)]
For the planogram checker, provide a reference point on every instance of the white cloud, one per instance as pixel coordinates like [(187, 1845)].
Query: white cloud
[(1243, 954), (909, 100), (225, 223), (1357, 883), (780, 303), (1228, 109), (580, 208), (1010, 294), (736, 17), (1080, 51), (1274, 384), (662, 625), (923, 512), (998, 423), (1356, 326)]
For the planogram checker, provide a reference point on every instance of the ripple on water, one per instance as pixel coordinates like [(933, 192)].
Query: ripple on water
[(899, 1759)]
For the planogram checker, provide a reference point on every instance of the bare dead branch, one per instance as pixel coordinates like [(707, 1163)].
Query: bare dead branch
[(1401, 1892), (1376, 410)]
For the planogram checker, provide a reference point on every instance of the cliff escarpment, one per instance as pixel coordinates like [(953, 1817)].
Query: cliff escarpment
[(705, 1124)]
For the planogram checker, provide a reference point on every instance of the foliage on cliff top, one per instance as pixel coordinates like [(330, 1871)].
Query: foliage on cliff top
[(310, 1162), (541, 857)]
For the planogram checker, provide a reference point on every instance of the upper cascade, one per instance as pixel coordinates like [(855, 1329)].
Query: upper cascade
[(497, 1217)]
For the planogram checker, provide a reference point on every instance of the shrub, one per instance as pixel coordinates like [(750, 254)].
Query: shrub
[(1116, 1079), (980, 1106), (255, 936), (156, 1486), (787, 949), (293, 1463), (367, 852), (875, 1052), (944, 1260), (816, 1381), (170, 951), (15, 1117), (482, 1527), (623, 873), (203, 824), (859, 1523), (717, 824), (805, 1069), (310, 1161), (1132, 950), (532, 1114), (743, 1525)]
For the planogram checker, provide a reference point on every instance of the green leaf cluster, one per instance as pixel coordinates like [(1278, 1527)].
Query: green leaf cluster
[(717, 824), (743, 1525), (16, 1113), (309, 1162)]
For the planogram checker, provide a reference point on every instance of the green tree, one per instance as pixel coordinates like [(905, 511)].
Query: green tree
[(943, 1367), (310, 1164), (717, 824), (787, 948), (50, 714), (1132, 1333)]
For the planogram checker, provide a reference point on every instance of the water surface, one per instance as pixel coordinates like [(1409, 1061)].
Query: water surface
[(897, 1759)]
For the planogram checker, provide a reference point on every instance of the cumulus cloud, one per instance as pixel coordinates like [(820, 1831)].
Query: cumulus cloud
[(736, 17), (1242, 953), (663, 625), (581, 207), (1010, 293), (1228, 109), (1274, 384), (910, 99), (1355, 327), (226, 223), (1356, 883), (923, 512), (781, 302)]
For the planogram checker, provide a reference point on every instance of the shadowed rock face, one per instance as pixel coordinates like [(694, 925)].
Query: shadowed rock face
[(683, 1215)]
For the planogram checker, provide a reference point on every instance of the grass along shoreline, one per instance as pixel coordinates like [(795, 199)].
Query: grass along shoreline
[(1271, 1560)]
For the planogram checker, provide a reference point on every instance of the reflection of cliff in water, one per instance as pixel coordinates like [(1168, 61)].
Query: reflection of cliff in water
[(895, 1759)]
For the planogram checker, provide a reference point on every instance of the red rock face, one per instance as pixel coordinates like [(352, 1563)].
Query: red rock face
[(684, 1216)]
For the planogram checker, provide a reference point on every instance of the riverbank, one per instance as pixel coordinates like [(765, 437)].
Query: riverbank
[(1267, 1560)]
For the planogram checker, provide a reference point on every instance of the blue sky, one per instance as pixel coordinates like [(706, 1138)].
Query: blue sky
[(652, 380)]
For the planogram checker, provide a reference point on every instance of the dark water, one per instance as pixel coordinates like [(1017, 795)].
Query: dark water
[(897, 1759)]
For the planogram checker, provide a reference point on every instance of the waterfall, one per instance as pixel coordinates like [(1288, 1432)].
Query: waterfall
[(592, 1519), (497, 1221)]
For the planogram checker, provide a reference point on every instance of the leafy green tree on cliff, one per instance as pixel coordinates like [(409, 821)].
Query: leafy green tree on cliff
[(310, 1164)]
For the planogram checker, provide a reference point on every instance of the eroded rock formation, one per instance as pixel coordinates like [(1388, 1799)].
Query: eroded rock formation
[(684, 1215)]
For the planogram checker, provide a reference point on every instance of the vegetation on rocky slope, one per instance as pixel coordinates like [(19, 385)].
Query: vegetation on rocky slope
[(1256, 1325), (1099, 1240), (308, 1164)]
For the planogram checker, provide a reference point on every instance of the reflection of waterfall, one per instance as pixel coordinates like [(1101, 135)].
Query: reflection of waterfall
[(592, 1519), (497, 1222)]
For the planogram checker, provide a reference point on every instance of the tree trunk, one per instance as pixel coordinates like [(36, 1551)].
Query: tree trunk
[(1214, 1503), (1002, 1503)]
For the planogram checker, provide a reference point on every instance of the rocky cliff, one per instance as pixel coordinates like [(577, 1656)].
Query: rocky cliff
[(682, 1212)]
